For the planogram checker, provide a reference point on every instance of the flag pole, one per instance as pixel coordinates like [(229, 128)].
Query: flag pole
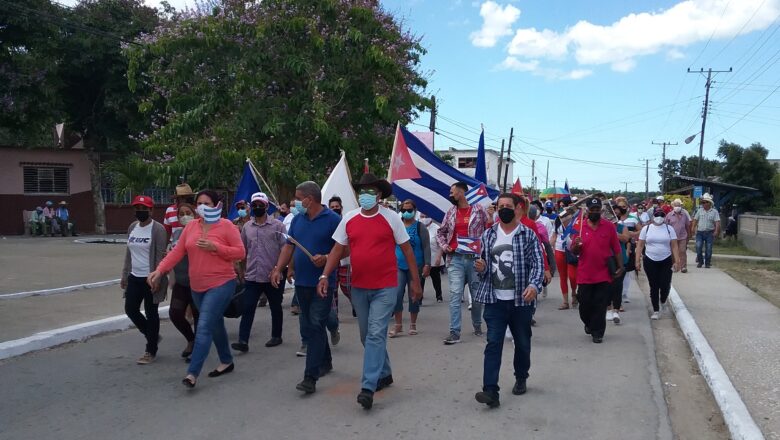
[(392, 154), (260, 176)]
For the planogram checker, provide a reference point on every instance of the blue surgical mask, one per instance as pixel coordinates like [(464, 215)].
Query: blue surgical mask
[(242, 213), (367, 201), (299, 208), (407, 215)]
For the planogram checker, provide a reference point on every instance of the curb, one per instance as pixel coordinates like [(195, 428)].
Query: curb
[(59, 336), (735, 413), (58, 290)]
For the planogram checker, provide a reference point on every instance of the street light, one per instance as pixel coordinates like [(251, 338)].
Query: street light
[(690, 138)]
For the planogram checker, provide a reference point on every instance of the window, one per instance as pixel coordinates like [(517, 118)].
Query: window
[(44, 179), (467, 162)]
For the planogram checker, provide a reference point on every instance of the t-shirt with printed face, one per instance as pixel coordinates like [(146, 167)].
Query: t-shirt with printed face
[(139, 242), (502, 263)]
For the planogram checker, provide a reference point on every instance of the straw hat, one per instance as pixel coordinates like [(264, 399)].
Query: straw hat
[(706, 198), (184, 190)]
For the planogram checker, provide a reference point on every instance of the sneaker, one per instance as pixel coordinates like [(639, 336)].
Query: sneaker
[(609, 315), (488, 398), (295, 310), (263, 301), (478, 331), (301, 351), (655, 316), (663, 308), (308, 385), (684, 270), (616, 317), (243, 347), (335, 337), (366, 398), (598, 339), (469, 306), (699, 265), (452, 339), (146, 359), (439, 299), (587, 330), (273, 342), (519, 388), (384, 382)]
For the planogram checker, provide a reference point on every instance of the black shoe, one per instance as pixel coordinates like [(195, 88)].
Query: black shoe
[(488, 398), (699, 265), (217, 373), (273, 342), (243, 347), (533, 322), (519, 388), (186, 353), (354, 314), (187, 382), (598, 339), (587, 330), (263, 301), (365, 398), (384, 382), (707, 266), (308, 385), (439, 299), (325, 369)]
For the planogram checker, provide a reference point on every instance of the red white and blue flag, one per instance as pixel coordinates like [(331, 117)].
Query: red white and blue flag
[(476, 194), (469, 245)]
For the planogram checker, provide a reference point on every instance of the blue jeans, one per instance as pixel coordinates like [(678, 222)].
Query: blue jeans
[(252, 292), (404, 281), (211, 305), (374, 308), (704, 238), (461, 271), (313, 318), (333, 317), (498, 317)]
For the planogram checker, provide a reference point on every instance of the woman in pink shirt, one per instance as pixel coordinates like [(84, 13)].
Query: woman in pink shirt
[(212, 244)]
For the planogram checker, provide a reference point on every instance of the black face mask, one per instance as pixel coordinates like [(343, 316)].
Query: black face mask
[(258, 211), (594, 216), (620, 210), (549, 210), (453, 200), (506, 215), (337, 210), (142, 216)]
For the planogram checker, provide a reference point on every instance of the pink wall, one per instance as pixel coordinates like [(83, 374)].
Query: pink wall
[(11, 173)]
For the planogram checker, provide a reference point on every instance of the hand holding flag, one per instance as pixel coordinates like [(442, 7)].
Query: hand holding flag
[(476, 194), (469, 246)]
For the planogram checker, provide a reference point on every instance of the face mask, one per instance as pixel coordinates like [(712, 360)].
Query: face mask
[(142, 216), (185, 219), (677, 208), (658, 220), (426, 221), (299, 208), (594, 216), (453, 200), (242, 213), (407, 215), (549, 210), (640, 210), (367, 201), (506, 215), (202, 210), (336, 210), (258, 211)]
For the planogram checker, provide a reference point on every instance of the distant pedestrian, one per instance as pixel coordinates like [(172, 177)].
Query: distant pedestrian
[(183, 194), (564, 261), (146, 243), (706, 224), (679, 219), (437, 256), (658, 244), (181, 293), (243, 214), (213, 245)]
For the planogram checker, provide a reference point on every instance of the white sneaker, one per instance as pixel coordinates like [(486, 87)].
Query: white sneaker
[(663, 308), (610, 314), (616, 317), (469, 306), (655, 316)]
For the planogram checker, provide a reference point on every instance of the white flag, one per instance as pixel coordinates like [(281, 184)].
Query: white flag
[(339, 183)]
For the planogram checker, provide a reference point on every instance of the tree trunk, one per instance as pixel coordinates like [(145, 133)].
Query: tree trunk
[(97, 194)]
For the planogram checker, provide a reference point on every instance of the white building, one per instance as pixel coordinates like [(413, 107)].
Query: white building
[(466, 162)]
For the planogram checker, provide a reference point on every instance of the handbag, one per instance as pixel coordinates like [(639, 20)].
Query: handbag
[(612, 265), (571, 258), (236, 306)]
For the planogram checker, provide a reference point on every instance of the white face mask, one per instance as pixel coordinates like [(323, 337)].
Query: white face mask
[(426, 221), (658, 220), (677, 208), (185, 219)]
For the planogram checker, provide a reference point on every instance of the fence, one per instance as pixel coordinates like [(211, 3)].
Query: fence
[(159, 195), (760, 233)]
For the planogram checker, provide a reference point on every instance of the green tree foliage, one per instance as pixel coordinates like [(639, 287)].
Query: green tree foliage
[(287, 83), (748, 167), (687, 166)]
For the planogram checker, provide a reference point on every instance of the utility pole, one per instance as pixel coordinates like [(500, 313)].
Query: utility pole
[(700, 170), (533, 177), (500, 165), (508, 155), (647, 179), (432, 125), (547, 175), (625, 183), (663, 164)]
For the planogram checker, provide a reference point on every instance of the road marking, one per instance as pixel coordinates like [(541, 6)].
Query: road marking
[(59, 290)]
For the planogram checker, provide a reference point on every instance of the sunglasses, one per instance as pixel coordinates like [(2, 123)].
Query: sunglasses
[(407, 210)]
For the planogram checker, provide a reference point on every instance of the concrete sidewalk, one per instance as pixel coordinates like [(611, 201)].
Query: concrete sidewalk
[(577, 389), (744, 331)]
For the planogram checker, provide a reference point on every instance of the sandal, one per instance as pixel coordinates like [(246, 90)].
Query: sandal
[(412, 329), (188, 382), (564, 306), (395, 331)]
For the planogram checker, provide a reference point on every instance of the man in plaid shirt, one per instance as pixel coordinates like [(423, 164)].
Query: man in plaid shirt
[(511, 270)]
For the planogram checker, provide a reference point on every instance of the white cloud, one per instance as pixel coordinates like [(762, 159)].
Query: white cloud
[(578, 74), (675, 54), (534, 67), (512, 63), (497, 22), (532, 43)]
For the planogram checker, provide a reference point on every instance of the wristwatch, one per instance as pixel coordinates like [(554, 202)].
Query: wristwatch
[(322, 277)]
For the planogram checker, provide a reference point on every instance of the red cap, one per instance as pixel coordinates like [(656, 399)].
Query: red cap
[(143, 201)]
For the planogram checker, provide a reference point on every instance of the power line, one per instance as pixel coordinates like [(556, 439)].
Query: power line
[(736, 34), (715, 29)]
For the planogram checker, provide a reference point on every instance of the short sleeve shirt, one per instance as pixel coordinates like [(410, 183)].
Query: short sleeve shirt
[(316, 236), (658, 239), (372, 240), (597, 246), (706, 219), (139, 242)]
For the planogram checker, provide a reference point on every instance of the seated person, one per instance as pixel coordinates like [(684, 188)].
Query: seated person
[(63, 219), (36, 221)]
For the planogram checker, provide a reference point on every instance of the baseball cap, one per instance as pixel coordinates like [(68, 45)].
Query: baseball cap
[(593, 201), (548, 204), (240, 202), (143, 201), (260, 197)]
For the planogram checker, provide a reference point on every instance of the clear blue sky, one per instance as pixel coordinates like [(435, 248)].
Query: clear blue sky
[(599, 82)]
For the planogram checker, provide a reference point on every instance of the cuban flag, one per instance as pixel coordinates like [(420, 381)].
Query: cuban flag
[(469, 245), (419, 174), (476, 194), (248, 185), (210, 215)]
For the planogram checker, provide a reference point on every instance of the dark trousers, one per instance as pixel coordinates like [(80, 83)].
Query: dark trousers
[(252, 292), (659, 276), (498, 317), (137, 292), (181, 298), (593, 300), (616, 292), (436, 280), (313, 318)]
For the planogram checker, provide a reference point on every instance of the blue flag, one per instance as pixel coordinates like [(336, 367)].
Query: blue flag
[(481, 172), (247, 186)]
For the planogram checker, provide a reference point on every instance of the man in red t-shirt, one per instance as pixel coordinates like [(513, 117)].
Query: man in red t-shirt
[(595, 244), (371, 233)]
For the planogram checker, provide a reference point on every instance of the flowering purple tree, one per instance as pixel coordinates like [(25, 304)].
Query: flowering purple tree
[(286, 82)]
